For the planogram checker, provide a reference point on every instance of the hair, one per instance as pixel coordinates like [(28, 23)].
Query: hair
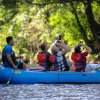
[(77, 49), (8, 39), (54, 48), (43, 46)]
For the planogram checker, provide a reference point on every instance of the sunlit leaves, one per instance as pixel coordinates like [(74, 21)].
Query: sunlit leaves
[(32, 24), (96, 11)]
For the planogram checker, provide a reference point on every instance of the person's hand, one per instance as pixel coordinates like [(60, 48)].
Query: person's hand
[(80, 44), (60, 41), (21, 57), (57, 44), (15, 66)]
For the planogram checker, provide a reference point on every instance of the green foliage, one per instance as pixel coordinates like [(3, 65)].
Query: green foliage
[(32, 24)]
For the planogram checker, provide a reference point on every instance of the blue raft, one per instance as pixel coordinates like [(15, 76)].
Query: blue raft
[(33, 77)]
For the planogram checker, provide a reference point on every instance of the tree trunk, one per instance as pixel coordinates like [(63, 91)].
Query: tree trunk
[(81, 28), (94, 26)]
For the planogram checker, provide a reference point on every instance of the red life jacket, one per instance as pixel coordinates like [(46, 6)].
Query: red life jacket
[(79, 62), (42, 59), (58, 65)]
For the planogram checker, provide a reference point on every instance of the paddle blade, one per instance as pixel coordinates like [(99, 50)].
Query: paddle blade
[(98, 68), (8, 82), (16, 71)]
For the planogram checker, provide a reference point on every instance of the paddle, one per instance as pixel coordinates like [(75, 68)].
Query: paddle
[(96, 69), (15, 71)]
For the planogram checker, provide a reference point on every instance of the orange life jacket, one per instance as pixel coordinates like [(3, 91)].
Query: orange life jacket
[(42, 59), (79, 62), (58, 65)]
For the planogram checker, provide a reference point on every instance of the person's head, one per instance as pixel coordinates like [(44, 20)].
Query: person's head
[(44, 47), (10, 40), (55, 48), (77, 49)]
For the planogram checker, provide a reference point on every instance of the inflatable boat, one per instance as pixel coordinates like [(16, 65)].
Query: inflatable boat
[(37, 76)]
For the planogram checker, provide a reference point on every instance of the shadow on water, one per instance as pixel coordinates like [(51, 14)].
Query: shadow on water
[(50, 92)]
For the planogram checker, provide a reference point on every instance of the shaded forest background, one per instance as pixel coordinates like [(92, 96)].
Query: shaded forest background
[(32, 22)]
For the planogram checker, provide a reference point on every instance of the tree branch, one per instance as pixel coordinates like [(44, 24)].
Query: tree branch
[(59, 2), (94, 26), (81, 29)]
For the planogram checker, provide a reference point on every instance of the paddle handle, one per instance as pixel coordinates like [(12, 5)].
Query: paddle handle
[(19, 62), (13, 72)]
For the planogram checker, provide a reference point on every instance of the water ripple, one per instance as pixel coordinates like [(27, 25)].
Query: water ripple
[(50, 92)]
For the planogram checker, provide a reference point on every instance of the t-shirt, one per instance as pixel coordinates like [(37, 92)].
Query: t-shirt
[(60, 59), (7, 50)]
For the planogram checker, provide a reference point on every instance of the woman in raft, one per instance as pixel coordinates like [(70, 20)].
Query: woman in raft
[(79, 57), (59, 62)]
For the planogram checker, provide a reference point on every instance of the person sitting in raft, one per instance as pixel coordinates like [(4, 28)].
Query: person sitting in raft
[(79, 57), (43, 57), (59, 50), (8, 55), (94, 66)]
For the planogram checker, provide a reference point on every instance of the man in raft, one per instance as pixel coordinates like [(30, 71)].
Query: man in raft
[(8, 56), (79, 57), (43, 57), (59, 50)]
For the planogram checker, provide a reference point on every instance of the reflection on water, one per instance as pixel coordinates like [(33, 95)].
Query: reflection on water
[(50, 92)]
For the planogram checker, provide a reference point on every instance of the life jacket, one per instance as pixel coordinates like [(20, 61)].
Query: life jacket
[(79, 63), (42, 59), (62, 65), (4, 58)]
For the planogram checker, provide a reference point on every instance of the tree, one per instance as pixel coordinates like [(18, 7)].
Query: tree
[(32, 22)]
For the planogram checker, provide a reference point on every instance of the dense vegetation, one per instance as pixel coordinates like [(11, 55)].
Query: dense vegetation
[(32, 22)]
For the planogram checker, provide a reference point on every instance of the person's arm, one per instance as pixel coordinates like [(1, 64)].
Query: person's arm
[(8, 55), (87, 48), (64, 47), (19, 57), (10, 61), (72, 68)]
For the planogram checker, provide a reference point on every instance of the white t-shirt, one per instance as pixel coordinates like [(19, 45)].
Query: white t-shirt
[(60, 59), (90, 67)]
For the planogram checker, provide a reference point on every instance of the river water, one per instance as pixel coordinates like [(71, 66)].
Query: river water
[(50, 92)]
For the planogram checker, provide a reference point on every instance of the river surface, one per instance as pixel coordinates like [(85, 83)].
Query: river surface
[(50, 92)]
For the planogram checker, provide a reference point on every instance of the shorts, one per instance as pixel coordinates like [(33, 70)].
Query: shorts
[(20, 65), (67, 68)]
